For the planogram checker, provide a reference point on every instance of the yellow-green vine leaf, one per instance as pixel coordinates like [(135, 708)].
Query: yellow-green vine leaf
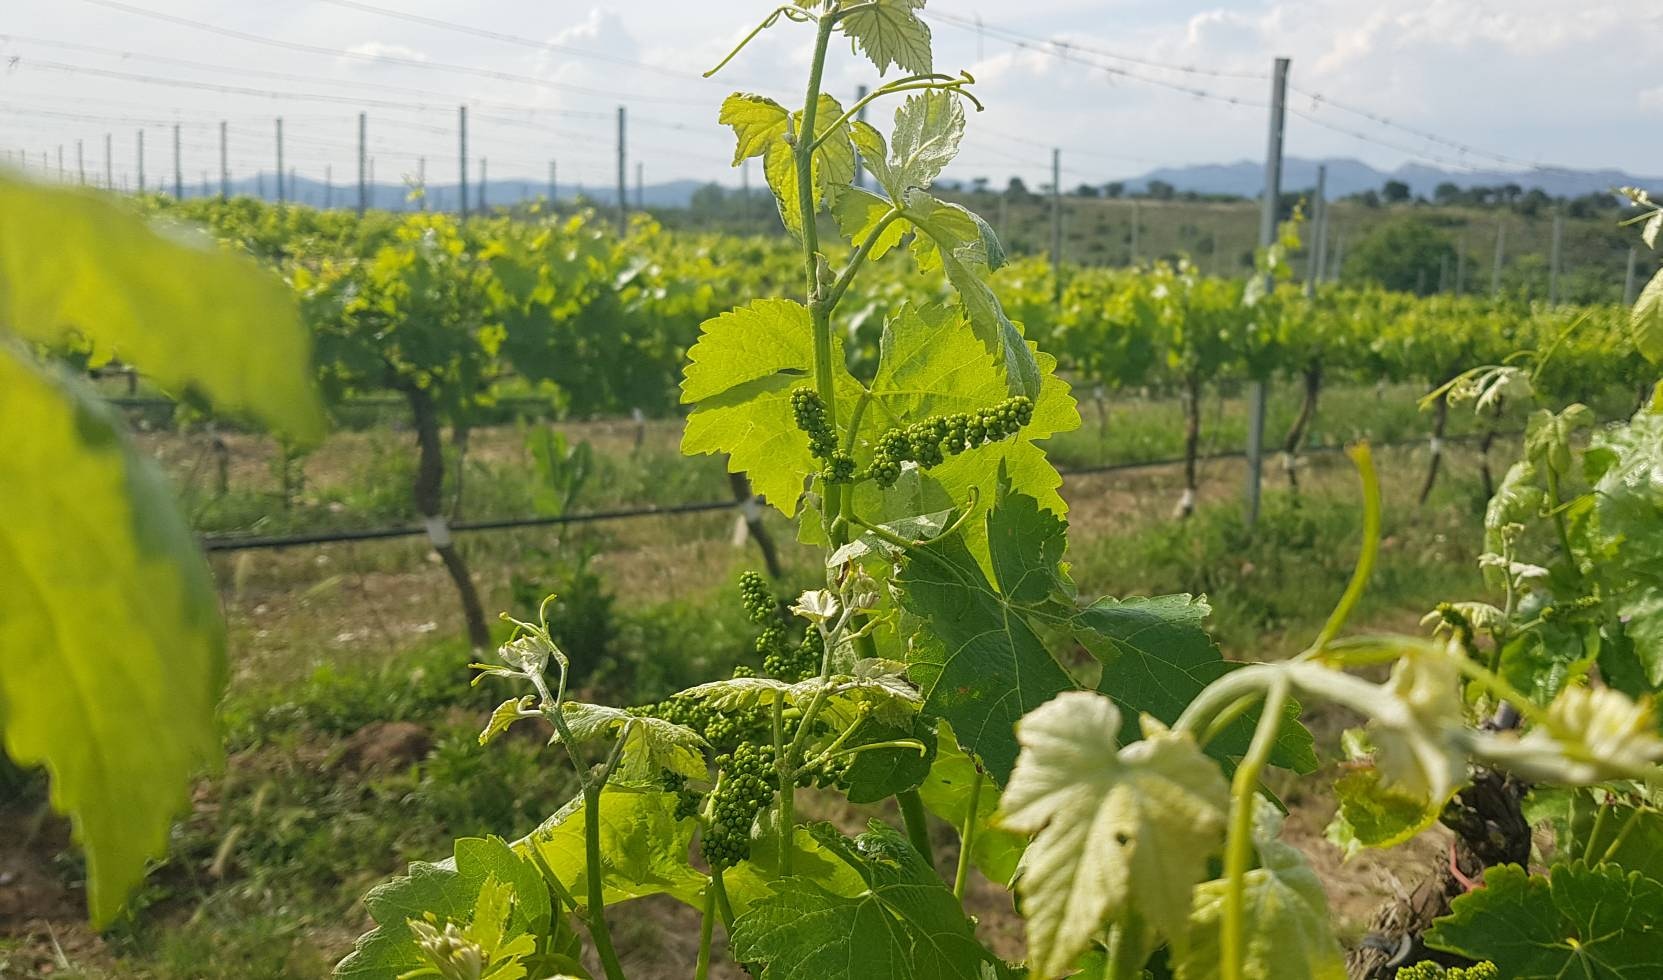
[(111, 651), (505, 715), (1289, 936), (967, 250), (652, 746), (833, 164), (757, 122), (1647, 320), (486, 885), (739, 379), (931, 363), (1112, 831), (643, 847), (891, 32), (751, 880), (183, 310), (858, 213), (1372, 814)]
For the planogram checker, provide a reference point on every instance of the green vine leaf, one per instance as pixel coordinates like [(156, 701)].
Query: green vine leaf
[(858, 214), (981, 664), (890, 32), (968, 251), (1627, 837), (877, 774), (906, 923), (739, 378), (1646, 320), (644, 849), (651, 746), (1157, 657), (884, 696), (506, 714), (947, 793), (449, 892), (1582, 921), (123, 721), (751, 881), (1629, 502), (1112, 832), (928, 129), (192, 315), (1289, 936)]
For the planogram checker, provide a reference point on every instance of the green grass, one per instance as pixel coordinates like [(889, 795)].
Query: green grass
[(1284, 576)]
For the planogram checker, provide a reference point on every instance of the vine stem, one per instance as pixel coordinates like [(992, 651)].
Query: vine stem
[(723, 907), (858, 259), (1593, 835), (1238, 848), (1125, 947), (1629, 823), (967, 837), (1364, 460), (597, 896), (1224, 692), (819, 311), (917, 824), (788, 783), (706, 923), (592, 785)]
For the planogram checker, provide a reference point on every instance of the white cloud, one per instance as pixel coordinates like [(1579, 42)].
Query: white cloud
[(1652, 99), (380, 49)]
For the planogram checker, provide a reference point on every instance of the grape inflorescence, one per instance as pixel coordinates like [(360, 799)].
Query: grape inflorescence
[(930, 442), (927, 443), (782, 657), (747, 783)]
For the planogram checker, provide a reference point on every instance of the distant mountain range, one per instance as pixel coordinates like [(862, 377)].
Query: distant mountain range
[(1242, 179), (1346, 176)]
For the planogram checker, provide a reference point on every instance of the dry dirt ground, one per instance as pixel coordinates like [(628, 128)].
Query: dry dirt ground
[(290, 611)]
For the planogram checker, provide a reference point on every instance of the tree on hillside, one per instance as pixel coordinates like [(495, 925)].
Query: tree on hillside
[(1534, 202), (1114, 188), (1395, 192), (1160, 190), (1403, 254)]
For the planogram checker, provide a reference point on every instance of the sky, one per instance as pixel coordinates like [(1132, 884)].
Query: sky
[(1120, 86)]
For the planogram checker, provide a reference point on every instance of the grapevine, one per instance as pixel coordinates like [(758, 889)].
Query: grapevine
[(938, 665)]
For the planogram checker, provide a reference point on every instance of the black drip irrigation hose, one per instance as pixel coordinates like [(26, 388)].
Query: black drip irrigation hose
[(232, 542), (251, 543)]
